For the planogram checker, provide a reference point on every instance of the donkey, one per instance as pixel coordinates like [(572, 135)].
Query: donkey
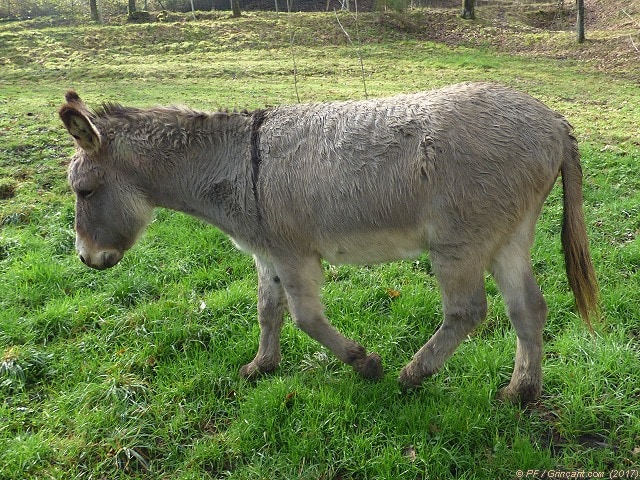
[(461, 172)]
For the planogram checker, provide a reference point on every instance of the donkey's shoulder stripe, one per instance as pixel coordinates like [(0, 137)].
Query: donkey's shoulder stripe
[(256, 159)]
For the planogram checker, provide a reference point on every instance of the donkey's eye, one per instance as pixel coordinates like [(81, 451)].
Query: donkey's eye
[(84, 194)]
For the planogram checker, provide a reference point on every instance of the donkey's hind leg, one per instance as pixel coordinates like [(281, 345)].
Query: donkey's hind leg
[(527, 311), (302, 282), (465, 306), (271, 306)]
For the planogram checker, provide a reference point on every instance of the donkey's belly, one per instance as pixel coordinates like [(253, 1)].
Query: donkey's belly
[(373, 247)]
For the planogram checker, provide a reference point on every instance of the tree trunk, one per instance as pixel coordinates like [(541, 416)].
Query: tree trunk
[(235, 8), (580, 21), (469, 9), (132, 7), (95, 16)]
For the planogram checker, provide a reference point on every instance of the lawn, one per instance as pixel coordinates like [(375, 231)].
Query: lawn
[(133, 372)]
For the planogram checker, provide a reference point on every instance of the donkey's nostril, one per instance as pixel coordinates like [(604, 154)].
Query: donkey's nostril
[(82, 259), (110, 258)]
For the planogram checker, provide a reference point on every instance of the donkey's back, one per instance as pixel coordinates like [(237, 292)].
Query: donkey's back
[(455, 170)]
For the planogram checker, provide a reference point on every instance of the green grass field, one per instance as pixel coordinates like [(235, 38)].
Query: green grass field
[(133, 372)]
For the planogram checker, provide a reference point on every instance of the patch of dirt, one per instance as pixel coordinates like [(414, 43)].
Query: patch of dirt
[(556, 442), (7, 189), (612, 14)]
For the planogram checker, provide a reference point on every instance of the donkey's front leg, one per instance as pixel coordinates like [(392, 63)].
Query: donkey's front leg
[(271, 307), (302, 281)]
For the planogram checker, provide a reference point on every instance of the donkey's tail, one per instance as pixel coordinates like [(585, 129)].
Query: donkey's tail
[(580, 271)]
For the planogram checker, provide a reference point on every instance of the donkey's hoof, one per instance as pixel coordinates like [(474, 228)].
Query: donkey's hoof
[(519, 396), (369, 366), (254, 370), (249, 371), (408, 379)]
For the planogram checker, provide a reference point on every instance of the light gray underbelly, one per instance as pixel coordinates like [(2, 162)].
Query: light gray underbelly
[(373, 247)]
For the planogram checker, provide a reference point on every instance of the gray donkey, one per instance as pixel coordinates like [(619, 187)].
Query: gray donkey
[(462, 172)]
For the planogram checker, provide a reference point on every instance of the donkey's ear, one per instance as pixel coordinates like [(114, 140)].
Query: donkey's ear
[(76, 117)]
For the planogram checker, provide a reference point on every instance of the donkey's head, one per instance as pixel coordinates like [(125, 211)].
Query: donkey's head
[(111, 209)]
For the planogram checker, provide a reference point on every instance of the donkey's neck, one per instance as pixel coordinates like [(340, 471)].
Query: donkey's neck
[(201, 164)]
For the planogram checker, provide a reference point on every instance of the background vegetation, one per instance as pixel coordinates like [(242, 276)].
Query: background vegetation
[(109, 8), (132, 372)]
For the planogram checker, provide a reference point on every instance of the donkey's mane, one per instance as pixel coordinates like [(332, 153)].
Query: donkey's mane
[(112, 109), (115, 110), (178, 126)]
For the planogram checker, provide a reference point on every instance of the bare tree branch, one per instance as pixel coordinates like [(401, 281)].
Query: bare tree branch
[(358, 46), (630, 37), (293, 50)]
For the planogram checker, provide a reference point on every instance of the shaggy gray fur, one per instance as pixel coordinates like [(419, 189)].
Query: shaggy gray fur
[(462, 172)]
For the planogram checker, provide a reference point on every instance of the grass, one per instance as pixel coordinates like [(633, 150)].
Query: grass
[(133, 372)]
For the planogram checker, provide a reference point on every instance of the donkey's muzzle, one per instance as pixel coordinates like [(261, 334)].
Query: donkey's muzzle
[(101, 260)]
